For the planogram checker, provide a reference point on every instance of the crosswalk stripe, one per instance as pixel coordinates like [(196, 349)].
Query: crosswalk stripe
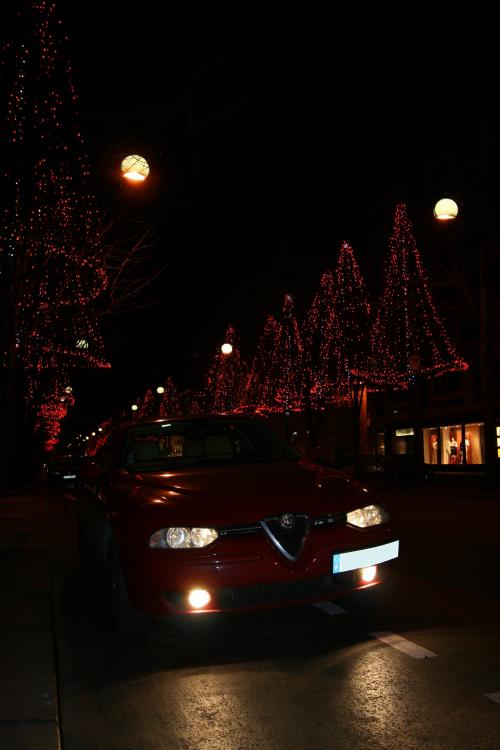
[(330, 608), (401, 644)]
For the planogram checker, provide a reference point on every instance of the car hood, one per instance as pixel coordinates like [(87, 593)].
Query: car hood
[(234, 494)]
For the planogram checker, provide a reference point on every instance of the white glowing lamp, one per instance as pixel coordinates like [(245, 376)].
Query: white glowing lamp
[(160, 389), (135, 168), (226, 348), (134, 407), (446, 209)]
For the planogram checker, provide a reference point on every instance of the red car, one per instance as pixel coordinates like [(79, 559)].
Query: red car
[(219, 513)]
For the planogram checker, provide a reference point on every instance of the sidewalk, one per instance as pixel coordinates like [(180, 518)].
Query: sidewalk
[(28, 683)]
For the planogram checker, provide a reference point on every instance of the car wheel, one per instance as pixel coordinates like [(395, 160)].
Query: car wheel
[(125, 622)]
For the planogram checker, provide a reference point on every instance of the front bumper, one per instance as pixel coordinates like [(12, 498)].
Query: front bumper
[(278, 594), (244, 580)]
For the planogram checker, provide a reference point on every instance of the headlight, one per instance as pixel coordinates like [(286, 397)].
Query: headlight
[(180, 537), (370, 515)]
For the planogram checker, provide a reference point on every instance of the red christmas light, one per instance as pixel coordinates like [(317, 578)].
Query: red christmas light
[(281, 379), (336, 332), (256, 391), (408, 335), (225, 378), (48, 231)]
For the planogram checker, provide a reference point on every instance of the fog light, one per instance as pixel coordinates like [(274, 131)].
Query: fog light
[(368, 574), (198, 598)]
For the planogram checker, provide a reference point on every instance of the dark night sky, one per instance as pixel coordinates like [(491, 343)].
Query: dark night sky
[(300, 129)]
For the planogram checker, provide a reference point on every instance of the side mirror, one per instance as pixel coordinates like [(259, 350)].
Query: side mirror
[(90, 472)]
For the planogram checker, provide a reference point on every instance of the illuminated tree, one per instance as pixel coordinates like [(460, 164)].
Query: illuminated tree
[(146, 404), (51, 409), (336, 332), (318, 330), (256, 392), (285, 382), (408, 333), (97, 441), (348, 347), (169, 400), (51, 268), (225, 378)]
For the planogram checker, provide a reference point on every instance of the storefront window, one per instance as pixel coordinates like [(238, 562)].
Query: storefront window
[(473, 444), (450, 438), (462, 446), (431, 445)]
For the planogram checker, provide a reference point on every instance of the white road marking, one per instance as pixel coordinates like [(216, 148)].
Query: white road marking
[(493, 696), (401, 644), (330, 608)]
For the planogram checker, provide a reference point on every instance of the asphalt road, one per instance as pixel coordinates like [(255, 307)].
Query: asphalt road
[(416, 665)]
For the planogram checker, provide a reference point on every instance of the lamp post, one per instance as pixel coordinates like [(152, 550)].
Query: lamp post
[(414, 368), (357, 392), (482, 301)]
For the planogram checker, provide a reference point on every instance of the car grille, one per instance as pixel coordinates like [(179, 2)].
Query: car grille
[(289, 591), (288, 541)]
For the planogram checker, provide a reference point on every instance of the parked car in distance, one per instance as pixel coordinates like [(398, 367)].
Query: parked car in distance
[(218, 513), (62, 468)]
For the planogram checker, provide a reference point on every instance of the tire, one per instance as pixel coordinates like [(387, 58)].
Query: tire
[(125, 622)]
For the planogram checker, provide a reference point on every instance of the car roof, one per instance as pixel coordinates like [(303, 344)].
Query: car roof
[(202, 417)]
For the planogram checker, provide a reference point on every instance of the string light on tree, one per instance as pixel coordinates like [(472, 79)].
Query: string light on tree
[(48, 231), (225, 378), (318, 328), (349, 346), (169, 401), (336, 332), (284, 385), (256, 391), (407, 323)]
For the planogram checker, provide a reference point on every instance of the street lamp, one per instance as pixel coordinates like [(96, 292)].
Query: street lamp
[(135, 168), (446, 209), (226, 348)]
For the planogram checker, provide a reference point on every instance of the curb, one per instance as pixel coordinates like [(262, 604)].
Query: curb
[(29, 701)]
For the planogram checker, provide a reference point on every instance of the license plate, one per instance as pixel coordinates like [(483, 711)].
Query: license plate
[(363, 558), (69, 476)]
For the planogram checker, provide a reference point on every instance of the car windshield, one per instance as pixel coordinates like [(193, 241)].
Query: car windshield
[(211, 442)]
